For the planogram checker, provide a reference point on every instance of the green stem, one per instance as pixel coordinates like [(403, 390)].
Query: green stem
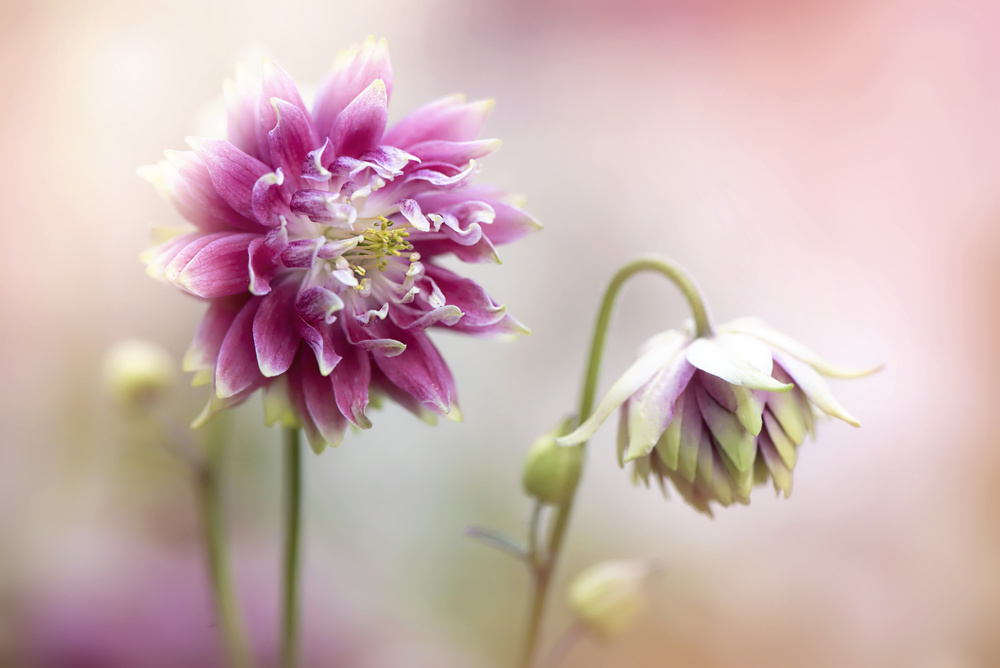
[(230, 621), (703, 327), (293, 535)]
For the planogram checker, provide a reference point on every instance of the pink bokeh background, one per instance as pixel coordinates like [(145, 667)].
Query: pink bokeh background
[(831, 167)]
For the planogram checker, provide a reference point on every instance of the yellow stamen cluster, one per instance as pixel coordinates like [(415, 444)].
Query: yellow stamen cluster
[(378, 245)]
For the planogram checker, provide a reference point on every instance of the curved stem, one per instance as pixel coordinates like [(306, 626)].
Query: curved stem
[(293, 532), (703, 327), (230, 621)]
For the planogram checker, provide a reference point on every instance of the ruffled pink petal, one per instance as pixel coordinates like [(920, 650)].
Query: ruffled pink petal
[(478, 308), (184, 180), (509, 224), (448, 119), (275, 336), (265, 258), (237, 369), (220, 268), (321, 206), (360, 125), (350, 384), (325, 419), (419, 371), (275, 83), (353, 73), (203, 352), (232, 171), (456, 153), (290, 141), (316, 308), (269, 200), (158, 258), (241, 97)]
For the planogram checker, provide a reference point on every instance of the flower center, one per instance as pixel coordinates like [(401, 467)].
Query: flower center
[(378, 244)]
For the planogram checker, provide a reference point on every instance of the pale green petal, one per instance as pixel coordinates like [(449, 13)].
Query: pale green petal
[(735, 441), (780, 440), (780, 474), (749, 408), (815, 388), (634, 377), (710, 357), (776, 339), (789, 413)]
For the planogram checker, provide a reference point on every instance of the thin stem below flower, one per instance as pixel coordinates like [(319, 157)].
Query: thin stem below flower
[(543, 569), (293, 535), (209, 478)]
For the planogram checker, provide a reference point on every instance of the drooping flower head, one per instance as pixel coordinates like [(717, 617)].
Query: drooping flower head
[(317, 236), (717, 414)]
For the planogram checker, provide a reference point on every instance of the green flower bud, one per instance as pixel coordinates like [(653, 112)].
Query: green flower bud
[(552, 471), (137, 374), (608, 597)]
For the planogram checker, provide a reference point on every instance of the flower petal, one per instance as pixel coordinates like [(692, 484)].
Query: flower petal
[(220, 268), (454, 152), (350, 384), (291, 140), (353, 71), (735, 441), (275, 83), (448, 119), (241, 97), (757, 328), (780, 440), (780, 474), (652, 407), (275, 337), (236, 369), (713, 358), (420, 371), (326, 424), (815, 388), (232, 171), (662, 350), (184, 180), (360, 125), (204, 349)]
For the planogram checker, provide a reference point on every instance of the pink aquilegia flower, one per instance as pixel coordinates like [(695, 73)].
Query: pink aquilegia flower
[(317, 237), (714, 415)]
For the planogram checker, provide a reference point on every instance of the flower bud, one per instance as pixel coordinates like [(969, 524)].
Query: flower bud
[(552, 471), (137, 373), (607, 597)]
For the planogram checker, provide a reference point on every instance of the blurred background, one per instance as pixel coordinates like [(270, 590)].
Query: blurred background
[(831, 167)]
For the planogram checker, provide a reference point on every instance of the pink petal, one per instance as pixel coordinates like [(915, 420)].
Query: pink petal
[(237, 369), (326, 419), (184, 180), (291, 140), (220, 268), (265, 258), (350, 383), (232, 171), (275, 336), (456, 153), (352, 73), (419, 371), (360, 125), (449, 119), (204, 349), (275, 83), (241, 97), (316, 307)]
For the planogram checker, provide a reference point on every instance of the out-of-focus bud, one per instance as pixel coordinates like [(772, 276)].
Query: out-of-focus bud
[(137, 374), (607, 597), (551, 471)]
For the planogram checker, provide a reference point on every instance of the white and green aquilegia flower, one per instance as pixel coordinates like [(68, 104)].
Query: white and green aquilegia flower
[(719, 413)]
